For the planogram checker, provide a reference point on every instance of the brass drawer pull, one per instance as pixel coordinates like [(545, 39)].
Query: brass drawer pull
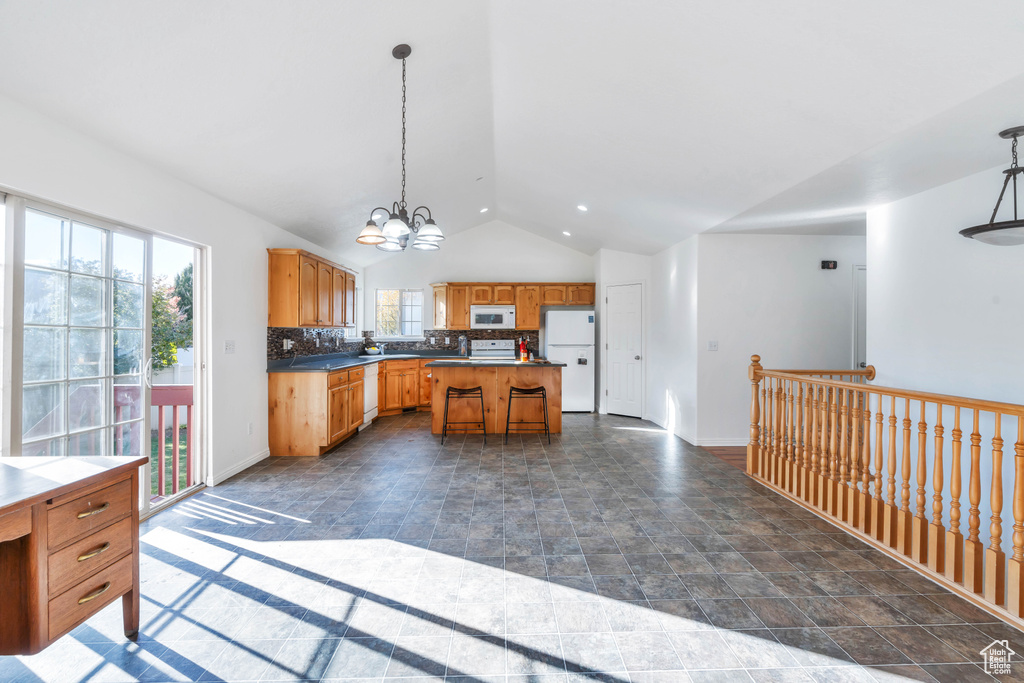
[(94, 553), (95, 594), (101, 508)]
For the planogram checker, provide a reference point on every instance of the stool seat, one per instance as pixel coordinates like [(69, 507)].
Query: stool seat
[(524, 393), (460, 393)]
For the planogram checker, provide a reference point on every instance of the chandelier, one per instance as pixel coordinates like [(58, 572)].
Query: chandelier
[(400, 224), (1004, 233)]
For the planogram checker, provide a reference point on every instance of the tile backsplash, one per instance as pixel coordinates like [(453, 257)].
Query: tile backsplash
[(453, 339), (332, 340)]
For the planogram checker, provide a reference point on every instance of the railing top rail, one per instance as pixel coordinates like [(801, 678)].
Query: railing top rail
[(868, 372), (172, 395), (943, 399)]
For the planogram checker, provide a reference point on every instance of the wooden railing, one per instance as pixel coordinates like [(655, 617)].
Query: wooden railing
[(846, 449), (174, 396)]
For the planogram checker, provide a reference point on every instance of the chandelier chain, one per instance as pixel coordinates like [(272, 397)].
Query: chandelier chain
[(402, 204), (1013, 148)]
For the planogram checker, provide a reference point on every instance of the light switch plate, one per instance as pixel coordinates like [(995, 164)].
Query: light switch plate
[(712, 346)]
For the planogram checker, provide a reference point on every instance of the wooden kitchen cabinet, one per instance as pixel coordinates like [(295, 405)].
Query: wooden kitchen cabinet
[(440, 307), (580, 295), (552, 295), (311, 412), (426, 389), (527, 302), (481, 295), (451, 306), (503, 295), (305, 290)]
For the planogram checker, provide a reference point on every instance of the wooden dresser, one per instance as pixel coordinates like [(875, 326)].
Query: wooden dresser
[(69, 546)]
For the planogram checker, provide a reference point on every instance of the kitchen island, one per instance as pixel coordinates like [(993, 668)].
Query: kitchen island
[(495, 376)]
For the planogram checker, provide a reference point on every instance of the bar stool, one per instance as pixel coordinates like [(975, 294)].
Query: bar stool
[(534, 392), (456, 392)]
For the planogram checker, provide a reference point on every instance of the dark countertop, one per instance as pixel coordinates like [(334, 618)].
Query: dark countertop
[(341, 361), (490, 363)]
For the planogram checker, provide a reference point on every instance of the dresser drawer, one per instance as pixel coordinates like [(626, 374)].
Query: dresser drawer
[(356, 375), (80, 559), (78, 603), (337, 379), (70, 520)]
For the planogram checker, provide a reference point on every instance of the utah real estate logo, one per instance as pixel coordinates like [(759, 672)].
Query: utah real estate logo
[(997, 657)]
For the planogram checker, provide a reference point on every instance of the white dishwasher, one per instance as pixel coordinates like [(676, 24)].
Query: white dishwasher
[(369, 395)]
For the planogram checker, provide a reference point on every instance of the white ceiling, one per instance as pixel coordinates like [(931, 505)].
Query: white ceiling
[(666, 118)]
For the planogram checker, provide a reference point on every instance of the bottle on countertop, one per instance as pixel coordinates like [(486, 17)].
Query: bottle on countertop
[(522, 349)]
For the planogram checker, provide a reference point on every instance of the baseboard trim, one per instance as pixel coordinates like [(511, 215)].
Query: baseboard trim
[(221, 477), (722, 442)]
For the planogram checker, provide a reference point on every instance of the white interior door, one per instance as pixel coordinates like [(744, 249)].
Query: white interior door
[(860, 316), (624, 319)]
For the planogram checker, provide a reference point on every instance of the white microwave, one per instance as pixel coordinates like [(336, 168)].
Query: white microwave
[(492, 317)]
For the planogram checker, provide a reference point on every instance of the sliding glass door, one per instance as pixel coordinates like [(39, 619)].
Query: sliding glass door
[(86, 297)]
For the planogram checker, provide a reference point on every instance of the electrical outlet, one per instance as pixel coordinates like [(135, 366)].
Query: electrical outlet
[(712, 346), (433, 340), (317, 340), (447, 340), (250, 429), (229, 346), (288, 344)]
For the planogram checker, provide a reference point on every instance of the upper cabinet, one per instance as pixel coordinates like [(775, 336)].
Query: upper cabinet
[(527, 307), (579, 295), (481, 294), (451, 306), (305, 290), (503, 295), (552, 295)]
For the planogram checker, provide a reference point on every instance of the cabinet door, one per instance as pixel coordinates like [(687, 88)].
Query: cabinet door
[(410, 388), (581, 294), (393, 389), (458, 308), (504, 295), (338, 297), (381, 384), (350, 300), (426, 385), (480, 294), (337, 423), (552, 295), (355, 404), (324, 282), (528, 307), (308, 278), (440, 308)]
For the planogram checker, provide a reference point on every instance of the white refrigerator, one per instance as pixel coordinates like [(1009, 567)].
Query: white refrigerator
[(569, 339)]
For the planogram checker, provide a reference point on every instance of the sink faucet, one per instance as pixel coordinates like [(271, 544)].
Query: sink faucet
[(383, 346)]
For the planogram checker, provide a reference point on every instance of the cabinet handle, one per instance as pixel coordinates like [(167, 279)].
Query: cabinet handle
[(95, 594), (101, 508), (94, 553)]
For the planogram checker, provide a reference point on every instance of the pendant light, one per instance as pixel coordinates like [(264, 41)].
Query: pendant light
[(1004, 233), (395, 233)]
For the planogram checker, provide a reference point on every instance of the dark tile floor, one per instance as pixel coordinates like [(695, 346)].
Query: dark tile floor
[(617, 553)]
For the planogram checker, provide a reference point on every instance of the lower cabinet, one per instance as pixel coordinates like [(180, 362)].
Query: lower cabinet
[(310, 412), (403, 384)]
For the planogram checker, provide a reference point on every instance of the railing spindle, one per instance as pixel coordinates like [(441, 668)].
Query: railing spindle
[(762, 462), (954, 539), (805, 451), (904, 526), (891, 512), (175, 449), (973, 550), (995, 558), (812, 445), (788, 483), (753, 448), (877, 504), (936, 531), (833, 452), (844, 456), (1015, 589), (161, 459), (919, 524), (864, 499)]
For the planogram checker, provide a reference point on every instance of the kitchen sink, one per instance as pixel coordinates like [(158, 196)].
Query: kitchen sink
[(391, 356)]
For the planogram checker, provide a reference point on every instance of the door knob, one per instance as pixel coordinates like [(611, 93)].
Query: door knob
[(863, 364), (636, 357)]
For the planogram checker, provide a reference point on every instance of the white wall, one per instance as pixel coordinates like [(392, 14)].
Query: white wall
[(613, 267), (767, 295), (492, 252), (46, 160), (672, 343)]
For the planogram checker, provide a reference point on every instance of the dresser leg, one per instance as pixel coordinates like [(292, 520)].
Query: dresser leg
[(130, 608)]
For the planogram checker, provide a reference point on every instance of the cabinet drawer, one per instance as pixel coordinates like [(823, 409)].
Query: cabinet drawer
[(356, 375), (336, 379), (80, 602), (403, 365), (91, 511), (72, 564)]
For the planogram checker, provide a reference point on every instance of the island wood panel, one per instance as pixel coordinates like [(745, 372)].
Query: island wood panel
[(496, 382), (530, 408), (464, 409)]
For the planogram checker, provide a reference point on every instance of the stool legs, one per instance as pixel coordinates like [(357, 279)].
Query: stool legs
[(520, 393), (455, 392)]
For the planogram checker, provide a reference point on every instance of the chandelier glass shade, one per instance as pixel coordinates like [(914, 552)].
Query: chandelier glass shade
[(400, 225), (1007, 233)]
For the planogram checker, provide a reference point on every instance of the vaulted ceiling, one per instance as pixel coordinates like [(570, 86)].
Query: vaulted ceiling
[(665, 118)]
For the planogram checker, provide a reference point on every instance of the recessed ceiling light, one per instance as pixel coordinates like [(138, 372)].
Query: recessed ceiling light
[(581, 207), (566, 233), (483, 210)]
